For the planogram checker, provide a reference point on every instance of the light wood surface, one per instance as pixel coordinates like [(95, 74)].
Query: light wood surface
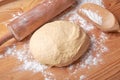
[(109, 69)]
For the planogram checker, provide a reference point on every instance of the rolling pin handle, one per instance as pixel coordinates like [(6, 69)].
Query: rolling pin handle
[(5, 38)]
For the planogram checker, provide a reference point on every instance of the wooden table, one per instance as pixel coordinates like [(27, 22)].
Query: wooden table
[(108, 69)]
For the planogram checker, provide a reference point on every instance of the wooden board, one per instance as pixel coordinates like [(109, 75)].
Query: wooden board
[(107, 69)]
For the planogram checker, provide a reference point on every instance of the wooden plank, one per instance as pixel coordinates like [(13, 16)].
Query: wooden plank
[(108, 70)]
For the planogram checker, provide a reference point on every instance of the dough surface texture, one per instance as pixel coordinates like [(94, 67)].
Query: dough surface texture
[(59, 43)]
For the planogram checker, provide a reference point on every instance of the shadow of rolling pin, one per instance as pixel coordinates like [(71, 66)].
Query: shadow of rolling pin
[(27, 23)]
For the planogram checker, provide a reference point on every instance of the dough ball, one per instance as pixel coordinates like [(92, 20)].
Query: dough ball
[(59, 43)]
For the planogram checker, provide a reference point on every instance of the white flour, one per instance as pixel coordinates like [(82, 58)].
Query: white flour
[(1, 56), (89, 60), (24, 55), (98, 47), (48, 76), (97, 43), (29, 63), (86, 26), (82, 77), (93, 16), (98, 2)]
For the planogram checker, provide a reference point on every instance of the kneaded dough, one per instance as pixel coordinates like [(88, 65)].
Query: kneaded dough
[(59, 43)]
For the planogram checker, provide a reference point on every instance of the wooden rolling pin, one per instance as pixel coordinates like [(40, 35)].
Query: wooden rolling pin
[(27, 23)]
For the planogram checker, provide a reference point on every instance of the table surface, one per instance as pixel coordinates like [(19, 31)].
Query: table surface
[(107, 69)]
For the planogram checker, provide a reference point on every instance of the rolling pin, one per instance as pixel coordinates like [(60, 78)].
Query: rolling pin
[(27, 23)]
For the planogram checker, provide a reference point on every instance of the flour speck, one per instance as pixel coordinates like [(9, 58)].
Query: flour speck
[(82, 77)]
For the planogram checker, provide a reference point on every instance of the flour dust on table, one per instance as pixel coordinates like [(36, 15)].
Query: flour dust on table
[(91, 58)]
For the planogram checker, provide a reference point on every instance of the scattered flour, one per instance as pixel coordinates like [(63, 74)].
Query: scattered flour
[(1, 56), (24, 55), (93, 16), (98, 2), (97, 48), (16, 15), (49, 76), (82, 77), (86, 26), (29, 63), (90, 59)]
